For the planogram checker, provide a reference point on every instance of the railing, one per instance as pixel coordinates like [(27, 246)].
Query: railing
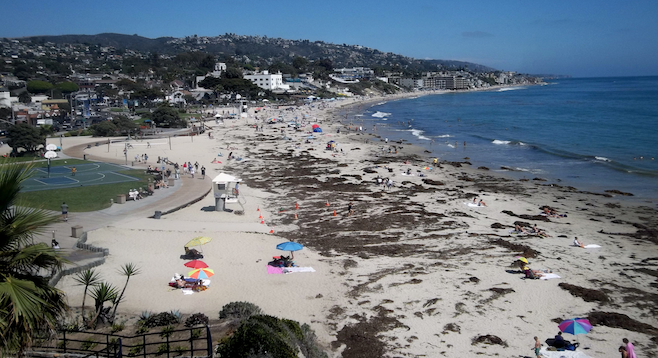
[(86, 344)]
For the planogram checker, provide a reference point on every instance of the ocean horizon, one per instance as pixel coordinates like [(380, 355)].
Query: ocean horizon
[(595, 134)]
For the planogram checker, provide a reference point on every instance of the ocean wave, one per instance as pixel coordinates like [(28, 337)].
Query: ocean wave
[(418, 134), (497, 141), (603, 159), (379, 114), (509, 89), (444, 136)]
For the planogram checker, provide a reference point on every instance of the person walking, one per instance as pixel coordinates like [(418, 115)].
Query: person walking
[(630, 349), (65, 211), (73, 171), (537, 347), (203, 172), (192, 172)]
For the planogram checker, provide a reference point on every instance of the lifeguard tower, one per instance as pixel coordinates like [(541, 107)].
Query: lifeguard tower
[(226, 191)]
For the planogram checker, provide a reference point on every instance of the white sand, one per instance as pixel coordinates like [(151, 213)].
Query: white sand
[(404, 285)]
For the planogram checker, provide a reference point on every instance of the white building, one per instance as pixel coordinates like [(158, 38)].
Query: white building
[(5, 97), (217, 73), (268, 81)]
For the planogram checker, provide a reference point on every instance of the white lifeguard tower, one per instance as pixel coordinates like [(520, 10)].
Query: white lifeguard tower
[(226, 191)]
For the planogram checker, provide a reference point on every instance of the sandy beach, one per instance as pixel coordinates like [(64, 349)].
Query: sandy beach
[(415, 270)]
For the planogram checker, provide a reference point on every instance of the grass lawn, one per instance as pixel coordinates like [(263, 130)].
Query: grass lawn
[(84, 198), (117, 110)]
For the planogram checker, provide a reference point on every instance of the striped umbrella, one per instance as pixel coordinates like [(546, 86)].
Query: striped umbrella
[(201, 273), (575, 326)]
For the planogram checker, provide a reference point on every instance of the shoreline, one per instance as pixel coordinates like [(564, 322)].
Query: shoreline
[(414, 271), (431, 149)]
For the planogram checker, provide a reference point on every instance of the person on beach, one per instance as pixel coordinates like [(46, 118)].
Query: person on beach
[(481, 203), (630, 349), (192, 172), (576, 242), (73, 171), (65, 211), (559, 340), (203, 172), (537, 347), (623, 351), (519, 229), (350, 211), (54, 244)]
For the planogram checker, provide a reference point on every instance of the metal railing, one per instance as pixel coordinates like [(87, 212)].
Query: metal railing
[(86, 344)]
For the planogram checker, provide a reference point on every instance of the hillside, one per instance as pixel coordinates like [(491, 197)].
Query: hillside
[(262, 50)]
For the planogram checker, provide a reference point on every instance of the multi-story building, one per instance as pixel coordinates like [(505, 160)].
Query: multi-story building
[(268, 81)]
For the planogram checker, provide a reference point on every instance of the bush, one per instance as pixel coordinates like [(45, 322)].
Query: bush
[(239, 310), (135, 351), (280, 338), (88, 344), (167, 331), (162, 349), (197, 319), (118, 327), (159, 320)]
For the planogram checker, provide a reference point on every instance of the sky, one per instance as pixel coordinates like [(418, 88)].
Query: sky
[(581, 38)]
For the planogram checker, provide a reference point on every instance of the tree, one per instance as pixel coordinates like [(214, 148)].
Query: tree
[(101, 293), (129, 270), (25, 136), (25, 97), (86, 278), (39, 86), (28, 304), (104, 129), (300, 63), (168, 117), (124, 125), (68, 87)]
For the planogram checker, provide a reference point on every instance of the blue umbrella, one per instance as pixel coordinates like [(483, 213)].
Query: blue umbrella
[(290, 246), (575, 326)]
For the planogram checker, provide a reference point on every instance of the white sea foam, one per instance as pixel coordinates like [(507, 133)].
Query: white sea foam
[(509, 89), (380, 103), (419, 134), (444, 136), (380, 114), (603, 159), (496, 141)]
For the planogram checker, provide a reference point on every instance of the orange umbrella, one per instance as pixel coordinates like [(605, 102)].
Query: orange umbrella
[(201, 273)]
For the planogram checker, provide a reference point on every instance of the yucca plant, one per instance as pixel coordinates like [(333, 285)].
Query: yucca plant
[(101, 293), (86, 278), (129, 270)]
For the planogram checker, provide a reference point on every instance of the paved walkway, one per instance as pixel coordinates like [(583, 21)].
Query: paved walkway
[(184, 192)]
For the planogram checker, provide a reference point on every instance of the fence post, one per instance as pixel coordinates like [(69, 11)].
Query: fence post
[(144, 344), (107, 345), (191, 343), (209, 341), (168, 348), (64, 341), (120, 355)]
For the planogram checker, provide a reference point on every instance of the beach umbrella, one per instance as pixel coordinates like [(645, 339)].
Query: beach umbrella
[(575, 326), (196, 264), (199, 240), (315, 126), (290, 246), (201, 273), (522, 259)]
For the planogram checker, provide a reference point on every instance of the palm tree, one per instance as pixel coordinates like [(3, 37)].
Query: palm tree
[(127, 270), (87, 278), (28, 304)]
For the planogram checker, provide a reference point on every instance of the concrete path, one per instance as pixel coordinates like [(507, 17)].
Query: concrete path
[(184, 192)]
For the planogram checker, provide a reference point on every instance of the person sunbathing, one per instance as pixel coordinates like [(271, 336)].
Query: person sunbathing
[(539, 232), (576, 242), (519, 229)]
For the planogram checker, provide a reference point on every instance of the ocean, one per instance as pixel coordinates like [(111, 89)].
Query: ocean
[(594, 134)]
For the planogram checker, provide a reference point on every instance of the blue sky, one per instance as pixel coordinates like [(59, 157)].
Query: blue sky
[(583, 38)]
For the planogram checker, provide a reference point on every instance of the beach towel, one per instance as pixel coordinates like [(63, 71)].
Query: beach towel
[(274, 270), (548, 276), (473, 205), (187, 291), (592, 246), (297, 269)]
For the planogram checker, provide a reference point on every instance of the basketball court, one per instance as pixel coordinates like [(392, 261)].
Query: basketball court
[(62, 177)]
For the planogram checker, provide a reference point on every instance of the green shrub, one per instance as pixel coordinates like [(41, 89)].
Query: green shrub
[(239, 310), (167, 331), (278, 338), (196, 333), (159, 320), (135, 351), (61, 344), (118, 327), (141, 330), (180, 350), (88, 344), (113, 345), (162, 349), (196, 319)]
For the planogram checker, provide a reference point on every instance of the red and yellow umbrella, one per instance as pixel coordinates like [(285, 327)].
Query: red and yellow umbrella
[(201, 273)]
